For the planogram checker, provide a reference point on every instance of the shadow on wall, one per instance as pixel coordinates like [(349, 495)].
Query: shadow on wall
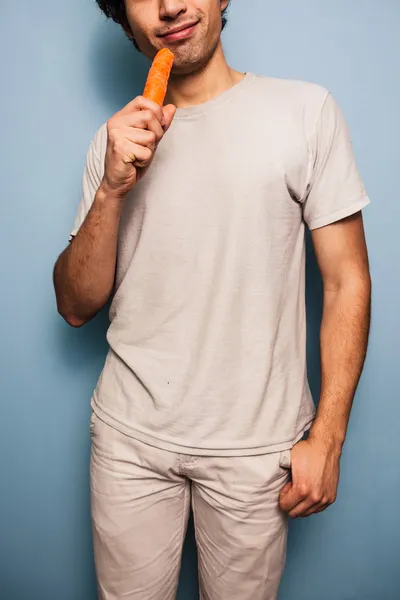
[(301, 531), (119, 73), (118, 70)]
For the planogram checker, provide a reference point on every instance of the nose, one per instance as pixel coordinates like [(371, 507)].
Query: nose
[(171, 9)]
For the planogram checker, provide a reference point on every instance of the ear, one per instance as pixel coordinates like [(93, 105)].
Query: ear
[(224, 4)]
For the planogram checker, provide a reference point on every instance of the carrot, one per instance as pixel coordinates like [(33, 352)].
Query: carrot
[(157, 80)]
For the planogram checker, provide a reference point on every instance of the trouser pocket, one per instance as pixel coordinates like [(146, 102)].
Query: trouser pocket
[(285, 460)]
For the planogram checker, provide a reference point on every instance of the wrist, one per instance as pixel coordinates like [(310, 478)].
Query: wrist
[(331, 440), (106, 191)]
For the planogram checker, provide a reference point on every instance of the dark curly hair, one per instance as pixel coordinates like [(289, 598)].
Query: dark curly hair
[(115, 10)]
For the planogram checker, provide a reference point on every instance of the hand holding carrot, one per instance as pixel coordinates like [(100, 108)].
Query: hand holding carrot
[(135, 132)]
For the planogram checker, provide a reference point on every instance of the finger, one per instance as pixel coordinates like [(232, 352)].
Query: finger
[(142, 103), (312, 511), (143, 119), (282, 500), (317, 508), (137, 155), (310, 504), (291, 499), (143, 137), (304, 509), (169, 113), (323, 507), (286, 489)]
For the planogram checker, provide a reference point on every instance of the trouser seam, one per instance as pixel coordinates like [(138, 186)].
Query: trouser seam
[(184, 512), (201, 584)]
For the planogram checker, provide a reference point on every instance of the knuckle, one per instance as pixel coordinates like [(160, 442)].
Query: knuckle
[(144, 157), (147, 115), (113, 137), (152, 137), (315, 497), (111, 124), (147, 154), (150, 106), (304, 490), (118, 146)]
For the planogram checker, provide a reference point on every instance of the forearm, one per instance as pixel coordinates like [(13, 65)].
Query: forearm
[(344, 339), (84, 273)]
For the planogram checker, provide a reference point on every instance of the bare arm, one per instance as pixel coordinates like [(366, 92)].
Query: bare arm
[(84, 273), (342, 256)]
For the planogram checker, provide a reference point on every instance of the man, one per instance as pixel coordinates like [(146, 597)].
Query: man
[(193, 218)]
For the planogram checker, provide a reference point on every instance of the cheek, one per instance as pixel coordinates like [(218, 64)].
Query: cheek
[(140, 18)]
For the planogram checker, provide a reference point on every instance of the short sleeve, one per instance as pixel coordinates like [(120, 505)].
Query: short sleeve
[(91, 180), (335, 189)]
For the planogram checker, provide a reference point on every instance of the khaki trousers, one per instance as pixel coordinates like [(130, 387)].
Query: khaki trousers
[(141, 498)]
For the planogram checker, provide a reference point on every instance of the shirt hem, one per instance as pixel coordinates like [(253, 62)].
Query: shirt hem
[(177, 448)]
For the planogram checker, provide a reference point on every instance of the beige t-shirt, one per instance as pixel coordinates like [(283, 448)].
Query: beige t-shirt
[(208, 327)]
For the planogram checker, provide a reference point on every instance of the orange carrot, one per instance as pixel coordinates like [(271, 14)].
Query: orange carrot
[(157, 80)]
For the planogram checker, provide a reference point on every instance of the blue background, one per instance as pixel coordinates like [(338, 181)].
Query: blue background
[(64, 71)]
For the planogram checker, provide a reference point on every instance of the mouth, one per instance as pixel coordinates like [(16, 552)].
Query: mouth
[(179, 33)]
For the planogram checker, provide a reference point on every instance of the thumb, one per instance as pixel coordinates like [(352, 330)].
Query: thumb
[(169, 113)]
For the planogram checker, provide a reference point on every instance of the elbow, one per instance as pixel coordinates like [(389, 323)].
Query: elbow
[(76, 318), (66, 306), (74, 321)]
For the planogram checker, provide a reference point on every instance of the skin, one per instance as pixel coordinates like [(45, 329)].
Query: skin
[(84, 273), (342, 257)]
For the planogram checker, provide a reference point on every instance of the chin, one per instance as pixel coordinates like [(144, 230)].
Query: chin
[(186, 68), (190, 60)]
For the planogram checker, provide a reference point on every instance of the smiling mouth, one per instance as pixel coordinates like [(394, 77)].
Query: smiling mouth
[(179, 33)]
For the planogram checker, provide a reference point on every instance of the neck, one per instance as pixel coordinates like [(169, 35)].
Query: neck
[(215, 78)]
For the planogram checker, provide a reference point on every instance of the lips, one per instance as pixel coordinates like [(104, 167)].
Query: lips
[(179, 32)]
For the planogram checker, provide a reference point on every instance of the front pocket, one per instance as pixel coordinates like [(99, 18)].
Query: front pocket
[(285, 460)]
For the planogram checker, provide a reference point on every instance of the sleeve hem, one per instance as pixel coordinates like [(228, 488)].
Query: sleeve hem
[(338, 215)]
